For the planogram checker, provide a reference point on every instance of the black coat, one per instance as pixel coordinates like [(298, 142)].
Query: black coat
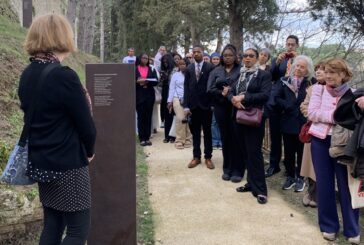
[(257, 93), (62, 133), (292, 119), (219, 78), (350, 116), (145, 94), (195, 92)]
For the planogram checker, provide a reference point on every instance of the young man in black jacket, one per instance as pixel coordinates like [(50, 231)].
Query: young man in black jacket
[(197, 106)]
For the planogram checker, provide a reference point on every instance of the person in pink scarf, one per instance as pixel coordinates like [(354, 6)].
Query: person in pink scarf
[(321, 110)]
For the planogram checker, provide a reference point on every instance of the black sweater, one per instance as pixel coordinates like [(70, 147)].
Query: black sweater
[(62, 133)]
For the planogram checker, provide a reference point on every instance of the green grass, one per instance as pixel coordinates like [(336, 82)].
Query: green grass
[(145, 224)]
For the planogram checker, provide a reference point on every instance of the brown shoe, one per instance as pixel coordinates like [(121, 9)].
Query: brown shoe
[(209, 164), (194, 163)]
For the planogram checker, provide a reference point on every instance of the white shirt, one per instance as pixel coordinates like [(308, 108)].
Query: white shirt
[(196, 65), (129, 59), (157, 61), (176, 87)]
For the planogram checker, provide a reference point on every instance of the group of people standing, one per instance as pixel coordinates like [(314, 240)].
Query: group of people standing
[(241, 91)]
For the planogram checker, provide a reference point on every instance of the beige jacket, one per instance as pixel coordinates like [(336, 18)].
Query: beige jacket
[(307, 169)]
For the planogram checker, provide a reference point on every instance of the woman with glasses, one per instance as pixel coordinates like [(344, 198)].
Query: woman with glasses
[(251, 91), (219, 84), (146, 79)]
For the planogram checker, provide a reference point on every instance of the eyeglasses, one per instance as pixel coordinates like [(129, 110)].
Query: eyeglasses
[(188, 57), (248, 55)]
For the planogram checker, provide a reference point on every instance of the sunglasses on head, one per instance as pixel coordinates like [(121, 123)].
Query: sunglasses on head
[(249, 55)]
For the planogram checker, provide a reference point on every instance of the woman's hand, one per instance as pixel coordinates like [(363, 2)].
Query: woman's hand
[(225, 91), (360, 102), (170, 106), (236, 101)]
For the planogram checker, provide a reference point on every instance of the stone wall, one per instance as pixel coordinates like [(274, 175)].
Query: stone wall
[(20, 212)]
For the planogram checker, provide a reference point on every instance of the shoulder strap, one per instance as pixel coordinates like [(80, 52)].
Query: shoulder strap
[(29, 117)]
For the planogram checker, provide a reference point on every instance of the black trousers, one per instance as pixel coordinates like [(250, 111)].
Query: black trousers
[(168, 120), (292, 147), (233, 162), (201, 119), (55, 222), (276, 140), (145, 113), (250, 140)]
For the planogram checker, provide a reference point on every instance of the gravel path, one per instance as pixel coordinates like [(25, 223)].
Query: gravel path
[(195, 206)]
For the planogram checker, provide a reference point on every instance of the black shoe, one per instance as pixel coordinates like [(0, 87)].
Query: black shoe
[(244, 188), (236, 179), (225, 177), (148, 142), (261, 199), (143, 143), (271, 171), (165, 140)]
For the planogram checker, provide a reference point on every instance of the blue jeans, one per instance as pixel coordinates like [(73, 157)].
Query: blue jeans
[(216, 138)]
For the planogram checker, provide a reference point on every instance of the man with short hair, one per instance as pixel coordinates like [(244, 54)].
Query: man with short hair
[(280, 68), (197, 106), (130, 59)]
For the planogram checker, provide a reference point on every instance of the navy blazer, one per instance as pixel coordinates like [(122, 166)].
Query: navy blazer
[(195, 92), (145, 93), (292, 119)]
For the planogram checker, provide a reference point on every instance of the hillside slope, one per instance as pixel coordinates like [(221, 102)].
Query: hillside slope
[(13, 60)]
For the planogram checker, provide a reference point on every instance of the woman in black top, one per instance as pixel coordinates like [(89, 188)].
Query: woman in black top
[(167, 69), (251, 90), (62, 133), (220, 82), (146, 78)]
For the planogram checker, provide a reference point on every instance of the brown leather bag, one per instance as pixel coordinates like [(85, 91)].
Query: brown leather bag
[(250, 116)]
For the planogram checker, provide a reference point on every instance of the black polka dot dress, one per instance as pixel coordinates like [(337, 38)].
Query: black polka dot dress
[(70, 192)]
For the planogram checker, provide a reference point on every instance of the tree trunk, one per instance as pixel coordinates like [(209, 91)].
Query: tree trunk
[(194, 35), (102, 32), (86, 25), (187, 43), (71, 12), (235, 23), (219, 40), (81, 25)]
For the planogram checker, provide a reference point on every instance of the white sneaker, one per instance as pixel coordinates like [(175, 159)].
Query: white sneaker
[(354, 240), (329, 236)]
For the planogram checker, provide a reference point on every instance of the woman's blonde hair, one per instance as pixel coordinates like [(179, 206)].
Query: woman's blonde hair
[(339, 65), (49, 33)]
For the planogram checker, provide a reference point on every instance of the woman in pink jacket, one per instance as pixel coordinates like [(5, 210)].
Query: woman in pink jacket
[(320, 111)]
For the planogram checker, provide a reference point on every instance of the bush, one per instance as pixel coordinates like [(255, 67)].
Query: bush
[(4, 154)]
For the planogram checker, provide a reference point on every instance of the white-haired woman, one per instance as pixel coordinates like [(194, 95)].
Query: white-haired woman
[(290, 95)]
